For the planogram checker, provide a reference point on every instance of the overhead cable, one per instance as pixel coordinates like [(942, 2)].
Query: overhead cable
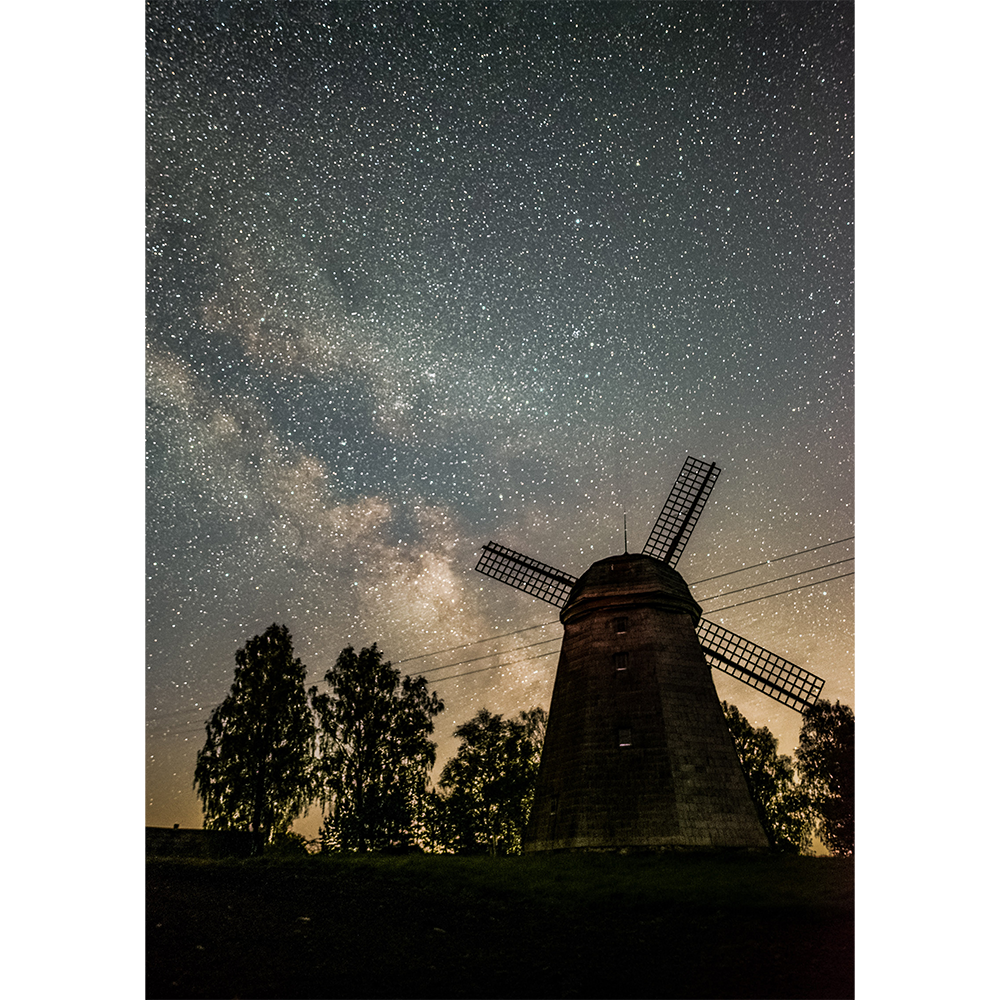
[(532, 628), (777, 579), (478, 642), (806, 586), (791, 555)]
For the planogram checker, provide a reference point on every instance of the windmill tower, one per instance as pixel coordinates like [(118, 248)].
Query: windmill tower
[(637, 751)]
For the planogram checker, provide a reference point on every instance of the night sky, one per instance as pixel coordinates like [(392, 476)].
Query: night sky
[(421, 276)]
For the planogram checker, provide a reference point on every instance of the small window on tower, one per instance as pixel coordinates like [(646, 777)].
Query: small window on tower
[(621, 661), (624, 737), (619, 624)]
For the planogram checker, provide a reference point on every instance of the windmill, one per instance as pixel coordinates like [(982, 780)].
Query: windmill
[(637, 751)]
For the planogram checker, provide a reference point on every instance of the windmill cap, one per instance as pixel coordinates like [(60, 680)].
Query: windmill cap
[(630, 580)]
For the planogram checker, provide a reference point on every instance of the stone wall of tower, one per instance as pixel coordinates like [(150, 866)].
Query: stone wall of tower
[(637, 751)]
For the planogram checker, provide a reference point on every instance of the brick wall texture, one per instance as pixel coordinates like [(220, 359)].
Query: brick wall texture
[(637, 752)]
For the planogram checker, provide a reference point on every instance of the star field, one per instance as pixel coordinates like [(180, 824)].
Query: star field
[(423, 275)]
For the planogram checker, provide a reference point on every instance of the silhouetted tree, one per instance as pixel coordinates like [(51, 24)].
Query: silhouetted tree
[(255, 770), (826, 761), (489, 785), (375, 752), (783, 803)]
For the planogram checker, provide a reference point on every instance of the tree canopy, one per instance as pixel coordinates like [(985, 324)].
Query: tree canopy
[(783, 804), (489, 785), (375, 752), (255, 770), (825, 756)]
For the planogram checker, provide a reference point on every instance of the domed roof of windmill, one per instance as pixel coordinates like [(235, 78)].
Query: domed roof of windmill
[(630, 579)]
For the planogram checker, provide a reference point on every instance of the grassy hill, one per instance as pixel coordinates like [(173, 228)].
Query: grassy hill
[(437, 926)]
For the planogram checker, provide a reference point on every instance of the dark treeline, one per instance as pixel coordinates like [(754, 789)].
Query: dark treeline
[(361, 749), (812, 795)]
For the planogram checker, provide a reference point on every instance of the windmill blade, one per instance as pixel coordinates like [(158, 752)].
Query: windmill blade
[(681, 511), (529, 575), (754, 665)]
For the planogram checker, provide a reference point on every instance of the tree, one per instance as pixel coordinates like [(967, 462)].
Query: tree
[(375, 752), (255, 770), (489, 784), (826, 760), (783, 804)]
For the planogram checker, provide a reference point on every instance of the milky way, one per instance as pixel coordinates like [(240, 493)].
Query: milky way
[(425, 275)]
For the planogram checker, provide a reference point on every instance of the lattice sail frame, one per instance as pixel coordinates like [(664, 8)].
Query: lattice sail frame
[(759, 668), (680, 513), (530, 575)]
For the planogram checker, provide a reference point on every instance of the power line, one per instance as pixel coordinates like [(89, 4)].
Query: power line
[(459, 663), (512, 663), (438, 680), (478, 642), (777, 579), (542, 656), (753, 600), (161, 716), (791, 555), (446, 666), (479, 670), (555, 621), (805, 586), (190, 728), (532, 628)]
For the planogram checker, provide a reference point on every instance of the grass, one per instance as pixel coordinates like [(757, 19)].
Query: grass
[(439, 926)]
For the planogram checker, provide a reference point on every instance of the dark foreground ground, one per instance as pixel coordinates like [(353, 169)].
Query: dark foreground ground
[(432, 926)]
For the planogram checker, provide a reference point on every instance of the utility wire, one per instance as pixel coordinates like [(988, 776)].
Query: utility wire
[(777, 579), (791, 555), (459, 663), (542, 642), (479, 670), (512, 663), (806, 586), (445, 666), (542, 656), (753, 600), (478, 642), (555, 621)]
